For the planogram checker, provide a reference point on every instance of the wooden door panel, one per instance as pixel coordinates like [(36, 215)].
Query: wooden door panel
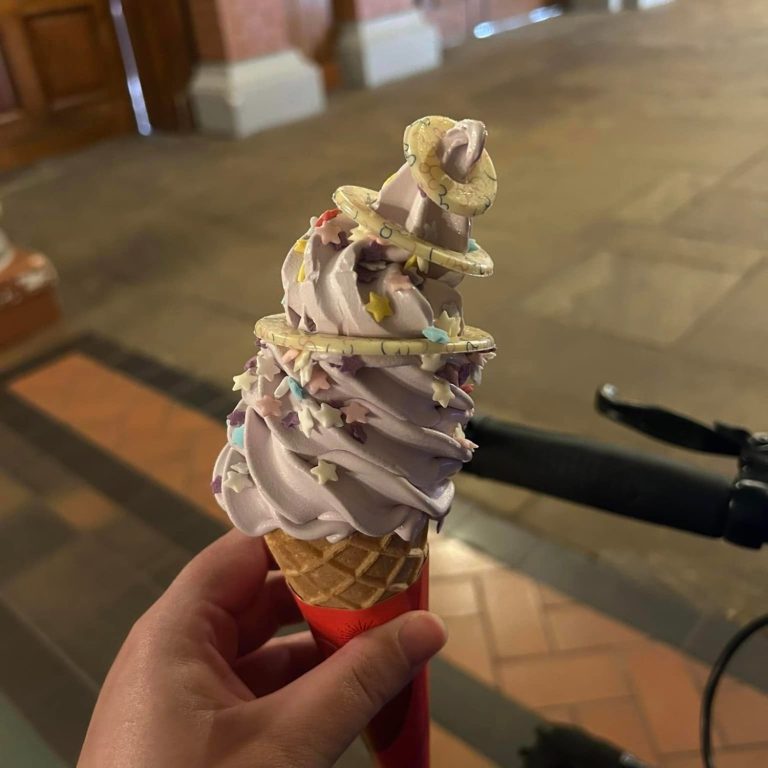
[(53, 38), (65, 82)]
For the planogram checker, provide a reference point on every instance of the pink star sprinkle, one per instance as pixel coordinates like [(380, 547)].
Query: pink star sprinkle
[(268, 406), (318, 381), (397, 281), (355, 412), (330, 231), (290, 356)]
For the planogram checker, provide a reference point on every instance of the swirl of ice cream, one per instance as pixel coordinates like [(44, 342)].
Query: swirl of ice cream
[(322, 445)]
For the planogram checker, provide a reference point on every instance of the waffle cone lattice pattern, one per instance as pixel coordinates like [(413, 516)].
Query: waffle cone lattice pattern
[(356, 572)]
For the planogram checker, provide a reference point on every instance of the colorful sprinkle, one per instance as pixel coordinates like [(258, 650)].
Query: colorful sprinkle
[(266, 366), (238, 482), (295, 388), (244, 381), (378, 306), (283, 387), (441, 392), (216, 484), (324, 472), (436, 335), (355, 412), (290, 420), (472, 245), (300, 245), (358, 433), (306, 421), (319, 381), (237, 436), (449, 323), (268, 406), (331, 213), (328, 416), (236, 418)]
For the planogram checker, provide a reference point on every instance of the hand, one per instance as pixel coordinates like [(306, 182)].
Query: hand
[(199, 683)]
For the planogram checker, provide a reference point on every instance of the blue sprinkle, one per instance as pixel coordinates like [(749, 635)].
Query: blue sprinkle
[(438, 335), (238, 436), (473, 246), (296, 389)]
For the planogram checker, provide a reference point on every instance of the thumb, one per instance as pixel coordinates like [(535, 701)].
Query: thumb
[(337, 699)]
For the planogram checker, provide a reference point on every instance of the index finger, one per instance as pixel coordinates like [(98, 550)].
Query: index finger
[(227, 573)]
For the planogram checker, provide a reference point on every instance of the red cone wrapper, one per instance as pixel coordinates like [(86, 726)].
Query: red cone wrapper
[(398, 736)]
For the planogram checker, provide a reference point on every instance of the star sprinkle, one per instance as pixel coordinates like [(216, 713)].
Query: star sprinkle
[(290, 420), (468, 388), (436, 335), (216, 484), (463, 440), (238, 436), (412, 263), (319, 381), (331, 213), (472, 245), (295, 388), (283, 387), (355, 412), (236, 418), (324, 472), (441, 392), (289, 356), (397, 281), (244, 381), (306, 421), (300, 245), (328, 416), (302, 359), (266, 366), (448, 323), (268, 406), (378, 306), (238, 482), (351, 364), (330, 231), (305, 374), (358, 433), (431, 362)]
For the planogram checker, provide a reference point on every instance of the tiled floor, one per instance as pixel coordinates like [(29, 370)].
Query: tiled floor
[(89, 543)]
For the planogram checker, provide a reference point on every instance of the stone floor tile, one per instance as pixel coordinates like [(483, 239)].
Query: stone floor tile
[(563, 678), (450, 752), (667, 696), (453, 597), (657, 204), (12, 493), (515, 614), (654, 302), (575, 626), (83, 507), (749, 757), (451, 557), (620, 722), (468, 647), (741, 713)]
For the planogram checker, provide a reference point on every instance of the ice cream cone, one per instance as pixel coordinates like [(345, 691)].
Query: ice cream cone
[(356, 572)]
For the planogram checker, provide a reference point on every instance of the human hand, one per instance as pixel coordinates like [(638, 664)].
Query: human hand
[(199, 683)]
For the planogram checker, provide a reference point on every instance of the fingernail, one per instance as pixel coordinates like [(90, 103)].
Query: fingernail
[(422, 635)]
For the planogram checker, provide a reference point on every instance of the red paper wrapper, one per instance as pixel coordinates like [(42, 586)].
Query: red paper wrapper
[(398, 736)]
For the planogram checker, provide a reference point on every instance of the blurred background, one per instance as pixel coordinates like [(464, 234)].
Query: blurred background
[(158, 160)]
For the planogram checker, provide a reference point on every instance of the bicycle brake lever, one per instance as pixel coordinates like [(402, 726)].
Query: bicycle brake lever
[(671, 427)]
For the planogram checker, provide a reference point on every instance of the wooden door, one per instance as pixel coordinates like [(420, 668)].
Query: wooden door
[(61, 78)]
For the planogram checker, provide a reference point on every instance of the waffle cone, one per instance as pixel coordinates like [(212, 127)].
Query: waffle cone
[(354, 573)]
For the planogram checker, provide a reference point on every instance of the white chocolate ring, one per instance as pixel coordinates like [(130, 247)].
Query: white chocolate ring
[(472, 197), (356, 202), (274, 329)]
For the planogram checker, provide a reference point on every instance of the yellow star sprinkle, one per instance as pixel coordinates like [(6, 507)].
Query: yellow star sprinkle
[(412, 263), (378, 306), (301, 275), (300, 245)]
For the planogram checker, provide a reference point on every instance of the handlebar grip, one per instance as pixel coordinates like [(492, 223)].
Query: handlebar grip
[(617, 480)]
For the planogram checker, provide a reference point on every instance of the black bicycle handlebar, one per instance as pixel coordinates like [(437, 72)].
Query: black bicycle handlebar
[(627, 483)]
